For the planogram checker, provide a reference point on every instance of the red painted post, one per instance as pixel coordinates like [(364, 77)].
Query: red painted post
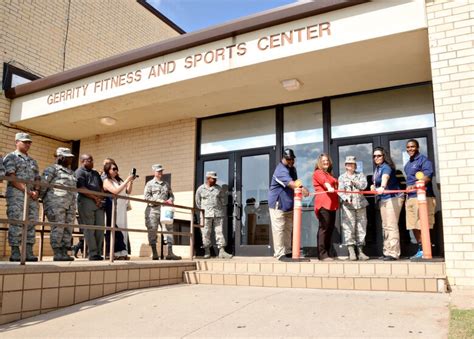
[(423, 216), (297, 214)]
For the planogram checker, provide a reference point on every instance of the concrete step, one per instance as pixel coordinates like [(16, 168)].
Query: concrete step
[(377, 268), (373, 275), (343, 282)]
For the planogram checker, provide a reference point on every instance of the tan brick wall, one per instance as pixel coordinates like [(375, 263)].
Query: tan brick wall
[(451, 36), (33, 38), (171, 144)]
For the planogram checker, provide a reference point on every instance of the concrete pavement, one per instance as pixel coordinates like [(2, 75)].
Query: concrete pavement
[(222, 311)]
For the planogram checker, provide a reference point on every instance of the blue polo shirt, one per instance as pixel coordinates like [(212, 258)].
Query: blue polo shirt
[(419, 163), (392, 183), (279, 190)]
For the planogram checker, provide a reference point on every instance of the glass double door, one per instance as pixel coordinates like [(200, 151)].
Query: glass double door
[(395, 143), (245, 178)]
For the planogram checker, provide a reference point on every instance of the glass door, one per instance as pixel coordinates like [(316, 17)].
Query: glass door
[(253, 236), (361, 148), (245, 177), (395, 143), (223, 165), (397, 146)]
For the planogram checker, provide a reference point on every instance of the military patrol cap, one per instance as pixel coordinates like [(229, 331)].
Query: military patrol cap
[(211, 174), (289, 154), (23, 137), (157, 167), (351, 160), (64, 152)]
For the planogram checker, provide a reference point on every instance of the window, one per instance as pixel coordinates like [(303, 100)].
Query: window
[(303, 132), (381, 112), (239, 131), (14, 76)]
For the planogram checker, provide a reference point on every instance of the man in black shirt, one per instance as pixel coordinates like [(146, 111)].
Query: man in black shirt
[(90, 206)]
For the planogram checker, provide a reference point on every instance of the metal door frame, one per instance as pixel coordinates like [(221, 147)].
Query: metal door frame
[(250, 250), (234, 207)]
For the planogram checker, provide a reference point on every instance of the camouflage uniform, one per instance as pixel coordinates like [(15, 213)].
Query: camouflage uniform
[(59, 205), (354, 216), (212, 200), (24, 168), (2, 168), (159, 191)]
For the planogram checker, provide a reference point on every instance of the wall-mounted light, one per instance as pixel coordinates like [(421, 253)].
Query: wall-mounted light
[(291, 84), (108, 121)]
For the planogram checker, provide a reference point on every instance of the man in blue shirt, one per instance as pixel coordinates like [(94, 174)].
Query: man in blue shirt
[(418, 163), (280, 203)]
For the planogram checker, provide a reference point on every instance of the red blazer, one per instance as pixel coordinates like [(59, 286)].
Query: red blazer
[(329, 201)]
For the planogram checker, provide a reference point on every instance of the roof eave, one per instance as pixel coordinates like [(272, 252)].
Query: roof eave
[(247, 24)]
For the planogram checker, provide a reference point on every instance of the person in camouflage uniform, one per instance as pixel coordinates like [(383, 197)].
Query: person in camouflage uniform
[(60, 205), (158, 190), (2, 168), (354, 215), (18, 164), (211, 198)]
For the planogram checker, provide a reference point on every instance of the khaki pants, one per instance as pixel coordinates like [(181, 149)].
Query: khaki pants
[(282, 224), (413, 219), (390, 212)]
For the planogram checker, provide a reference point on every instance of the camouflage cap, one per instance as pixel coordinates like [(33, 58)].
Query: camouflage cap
[(157, 167), (64, 152), (21, 136), (211, 174), (350, 159)]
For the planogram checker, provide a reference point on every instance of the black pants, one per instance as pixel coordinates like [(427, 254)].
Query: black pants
[(119, 244), (327, 220)]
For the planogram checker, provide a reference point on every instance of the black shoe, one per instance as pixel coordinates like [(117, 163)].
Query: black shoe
[(389, 258), (284, 258), (75, 251), (381, 258), (96, 258), (289, 255)]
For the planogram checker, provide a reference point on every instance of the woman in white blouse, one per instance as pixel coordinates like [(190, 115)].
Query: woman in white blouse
[(115, 185)]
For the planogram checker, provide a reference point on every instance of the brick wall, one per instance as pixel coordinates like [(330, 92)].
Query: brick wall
[(170, 144), (451, 37), (34, 39)]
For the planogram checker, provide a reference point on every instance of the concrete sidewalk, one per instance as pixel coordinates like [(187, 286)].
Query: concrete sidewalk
[(221, 311)]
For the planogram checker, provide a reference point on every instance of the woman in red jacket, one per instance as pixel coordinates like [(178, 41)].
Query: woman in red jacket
[(326, 203)]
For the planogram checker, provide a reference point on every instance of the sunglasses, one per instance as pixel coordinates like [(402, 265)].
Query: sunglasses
[(115, 169), (378, 155)]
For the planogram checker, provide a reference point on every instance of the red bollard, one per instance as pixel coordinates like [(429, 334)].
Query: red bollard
[(297, 214), (423, 216)]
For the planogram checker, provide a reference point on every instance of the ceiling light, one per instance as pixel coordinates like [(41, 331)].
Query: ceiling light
[(108, 121), (291, 84)]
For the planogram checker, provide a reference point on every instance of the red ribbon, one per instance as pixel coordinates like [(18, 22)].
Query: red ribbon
[(369, 192)]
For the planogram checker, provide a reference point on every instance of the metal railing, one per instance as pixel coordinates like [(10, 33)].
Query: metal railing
[(114, 197)]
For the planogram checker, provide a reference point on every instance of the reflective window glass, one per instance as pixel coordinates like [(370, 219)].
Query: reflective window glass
[(398, 151), (380, 112), (363, 154), (303, 132), (239, 131), (255, 228)]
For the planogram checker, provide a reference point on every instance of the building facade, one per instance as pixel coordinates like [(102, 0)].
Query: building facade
[(40, 39), (337, 76)]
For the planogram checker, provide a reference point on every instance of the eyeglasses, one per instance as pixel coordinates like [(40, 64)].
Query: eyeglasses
[(89, 160), (378, 155)]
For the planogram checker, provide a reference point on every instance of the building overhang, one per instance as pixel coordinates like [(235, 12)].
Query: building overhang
[(370, 45)]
